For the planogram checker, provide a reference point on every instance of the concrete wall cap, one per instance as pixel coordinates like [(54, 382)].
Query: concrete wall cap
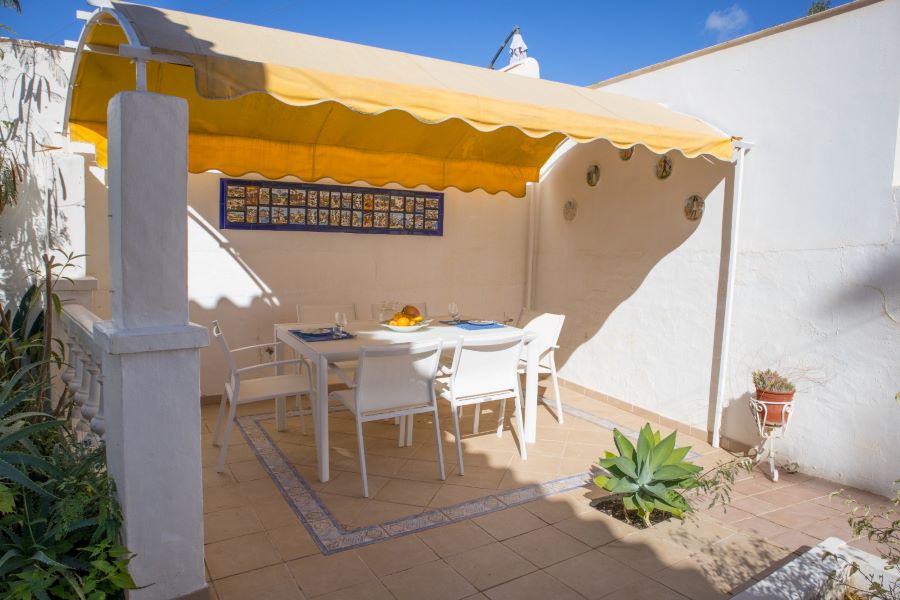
[(150, 339)]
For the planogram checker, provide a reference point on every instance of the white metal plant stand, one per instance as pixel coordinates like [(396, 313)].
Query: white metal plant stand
[(770, 428)]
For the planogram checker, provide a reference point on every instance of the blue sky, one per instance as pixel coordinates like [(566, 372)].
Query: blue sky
[(578, 42)]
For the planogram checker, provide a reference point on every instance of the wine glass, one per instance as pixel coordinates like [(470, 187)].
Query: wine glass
[(340, 322), (453, 309)]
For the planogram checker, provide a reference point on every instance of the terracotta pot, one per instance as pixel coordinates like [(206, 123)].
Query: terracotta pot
[(774, 402)]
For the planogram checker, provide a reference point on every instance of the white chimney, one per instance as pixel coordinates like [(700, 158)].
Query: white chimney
[(519, 61)]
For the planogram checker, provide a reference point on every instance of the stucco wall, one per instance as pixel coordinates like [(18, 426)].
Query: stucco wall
[(252, 279), (33, 80), (818, 274)]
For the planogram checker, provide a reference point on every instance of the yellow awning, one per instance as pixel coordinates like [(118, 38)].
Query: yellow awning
[(281, 103)]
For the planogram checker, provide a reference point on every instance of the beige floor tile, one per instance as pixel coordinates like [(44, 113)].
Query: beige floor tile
[(509, 522), (318, 574), (435, 581), (834, 527), (490, 565), (795, 541), (375, 512), (799, 516), (793, 494), (418, 493), (647, 589), (396, 555), (386, 466), (725, 513), (696, 534), (448, 495), (344, 508), (230, 522), (760, 526), (744, 556), (534, 586), (350, 484), (645, 552), (559, 507), (247, 470), (213, 479), (453, 539), (223, 496), (275, 513), (546, 546), (595, 575), (258, 490), (513, 480), (426, 470), (483, 477), (239, 555), (371, 590), (753, 505), (695, 580), (292, 542), (595, 528), (271, 583)]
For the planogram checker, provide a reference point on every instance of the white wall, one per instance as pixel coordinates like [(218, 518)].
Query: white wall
[(818, 276), (33, 81), (252, 279)]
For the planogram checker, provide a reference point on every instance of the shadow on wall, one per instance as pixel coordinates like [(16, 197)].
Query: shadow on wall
[(32, 92), (625, 228)]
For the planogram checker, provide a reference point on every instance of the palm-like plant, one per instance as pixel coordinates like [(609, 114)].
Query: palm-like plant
[(650, 476)]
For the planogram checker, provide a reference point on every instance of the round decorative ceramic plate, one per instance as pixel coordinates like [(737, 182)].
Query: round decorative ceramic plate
[(625, 153), (664, 167), (408, 328), (479, 322)]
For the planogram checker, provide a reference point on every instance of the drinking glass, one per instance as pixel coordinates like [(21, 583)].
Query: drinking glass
[(340, 322), (453, 309)]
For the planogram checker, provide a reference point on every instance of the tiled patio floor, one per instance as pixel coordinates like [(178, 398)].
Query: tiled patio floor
[(557, 546)]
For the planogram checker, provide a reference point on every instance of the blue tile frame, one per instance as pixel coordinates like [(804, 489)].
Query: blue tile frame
[(331, 537), (318, 187)]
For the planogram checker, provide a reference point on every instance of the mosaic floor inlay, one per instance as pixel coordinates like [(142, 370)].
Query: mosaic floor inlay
[(331, 536)]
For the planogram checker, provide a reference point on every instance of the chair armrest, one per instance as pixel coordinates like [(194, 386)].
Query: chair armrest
[(342, 375), (276, 363)]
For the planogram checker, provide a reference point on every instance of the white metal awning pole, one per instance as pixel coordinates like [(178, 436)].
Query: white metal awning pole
[(531, 195), (742, 148)]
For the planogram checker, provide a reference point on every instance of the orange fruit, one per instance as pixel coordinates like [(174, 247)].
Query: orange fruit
[(403, 322)]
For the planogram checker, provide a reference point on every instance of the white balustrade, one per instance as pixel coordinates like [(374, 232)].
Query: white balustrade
[(83, 374)]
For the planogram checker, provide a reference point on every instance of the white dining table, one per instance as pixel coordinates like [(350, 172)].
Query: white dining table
[(372, 333)]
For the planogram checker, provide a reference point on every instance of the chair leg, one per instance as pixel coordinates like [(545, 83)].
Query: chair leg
[(280, 412), (459, 458), (440, 449), (501, 417), (302, 416), (410, 421), (556, 395), (477, 408), (401, 436), (518, 414), (362, 457), (220, 466), (219, 418)]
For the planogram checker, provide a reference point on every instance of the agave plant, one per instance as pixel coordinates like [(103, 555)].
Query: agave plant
[(651, 476)]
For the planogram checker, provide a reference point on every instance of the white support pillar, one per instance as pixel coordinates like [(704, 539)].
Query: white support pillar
[(151, 375), (741, 149)]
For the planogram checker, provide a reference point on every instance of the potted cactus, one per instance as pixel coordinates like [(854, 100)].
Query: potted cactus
[(775, 391)]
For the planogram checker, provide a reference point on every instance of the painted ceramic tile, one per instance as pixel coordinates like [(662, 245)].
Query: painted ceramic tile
[(357, 219), (234, 204), (298, 216), (396, 220), (368, 221), (381, 219), (346, 200), (251, 214), (431, 214), (345, 218), (298, 197), (397, 203), (235, 191), (382, 202), (312, 198), (420, 205), (263, 195), (432, 203), (312, 216), (263, 214), (357, 201), (235, 216), (334, 218), (279, 215), (279, 197), (368, 202), (252, 195)]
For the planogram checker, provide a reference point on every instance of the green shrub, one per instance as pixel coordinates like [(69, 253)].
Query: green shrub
[(59, 517)]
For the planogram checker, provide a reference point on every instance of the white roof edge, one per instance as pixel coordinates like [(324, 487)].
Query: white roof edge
[(36, 43), (831, 12)]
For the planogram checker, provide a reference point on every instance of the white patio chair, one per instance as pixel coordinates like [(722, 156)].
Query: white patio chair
[(239, 390), (382, 311), (484, 370), (547, 326), (392, 381), (324, 313)]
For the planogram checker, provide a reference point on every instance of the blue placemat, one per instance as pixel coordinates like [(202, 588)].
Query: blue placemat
[(320, 337), (473, 327)]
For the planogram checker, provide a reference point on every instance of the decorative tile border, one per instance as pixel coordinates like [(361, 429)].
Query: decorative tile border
[(331, 537)]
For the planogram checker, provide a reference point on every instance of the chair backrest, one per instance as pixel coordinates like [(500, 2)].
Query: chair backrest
[(486, 365), (547, 326), (382, 311), (223, 344), (396, 376), (324, 313)]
